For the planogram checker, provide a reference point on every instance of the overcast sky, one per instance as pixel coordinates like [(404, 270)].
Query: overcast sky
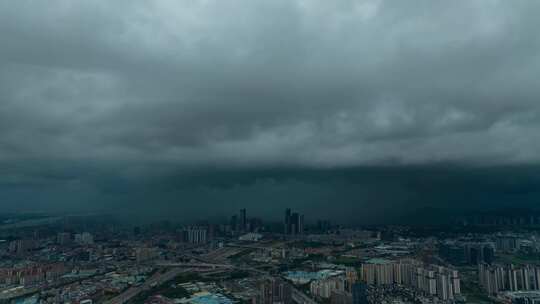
[(103, 100)]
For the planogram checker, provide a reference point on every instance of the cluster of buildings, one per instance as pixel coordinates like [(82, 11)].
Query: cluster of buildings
[(500, 220), (479, 252), (293, 224), (432, 280), (507, 243), (21, 246), (506, 263), (31, 274), (467, 253), (274, 291), (324, 288), (195, 234), (289, 263), (335, 289), (241, 223), (85, 238), (327, 287), (342, 236), (498, 278)]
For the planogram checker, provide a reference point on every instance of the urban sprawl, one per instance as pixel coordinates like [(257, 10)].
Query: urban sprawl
[(99, 259)]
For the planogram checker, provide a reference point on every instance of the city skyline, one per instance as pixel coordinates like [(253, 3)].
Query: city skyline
[(269, 152)]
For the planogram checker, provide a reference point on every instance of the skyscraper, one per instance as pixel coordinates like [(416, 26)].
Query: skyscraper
[(293, 223), (243, 219), (287, 222), (234, 223), (301, 224), (197, 235)]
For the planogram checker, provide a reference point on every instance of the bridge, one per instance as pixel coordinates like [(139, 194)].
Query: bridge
[(192, 265), (157, 279)]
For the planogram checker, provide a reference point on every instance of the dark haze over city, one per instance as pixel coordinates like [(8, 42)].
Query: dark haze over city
[(357, 111)]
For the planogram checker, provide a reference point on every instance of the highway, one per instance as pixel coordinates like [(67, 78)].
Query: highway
[(179, 268), (157, 279), (193, 265)]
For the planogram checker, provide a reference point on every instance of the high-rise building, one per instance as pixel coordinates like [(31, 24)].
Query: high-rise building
[(447, 283), (430, 279), (498, 278), (293, 223), (84, 238), (243, 219), (323, 288), (197, 235), (287, 222), (301, 224), (234, 223), (507, 243), (63, 238), (323, 225), (488, 254), (21, 246), (472, 253), (351, 277), (275, 291)]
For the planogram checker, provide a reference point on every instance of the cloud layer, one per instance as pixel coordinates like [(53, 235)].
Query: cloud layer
[(297, 82), (146, 86)]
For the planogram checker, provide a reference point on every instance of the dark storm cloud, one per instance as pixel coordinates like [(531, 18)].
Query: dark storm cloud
[(106, 95), (367, 194)]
